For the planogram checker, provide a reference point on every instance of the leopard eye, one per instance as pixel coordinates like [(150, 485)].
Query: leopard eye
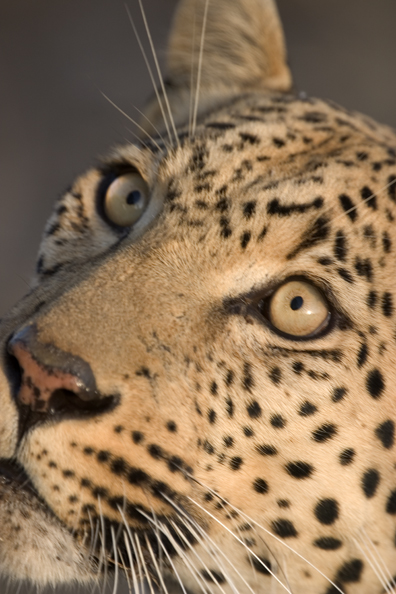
[(298, 309), (126, 199)]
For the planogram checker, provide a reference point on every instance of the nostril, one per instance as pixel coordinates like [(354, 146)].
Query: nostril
[(50, 383), (67, 403), (13, 372)]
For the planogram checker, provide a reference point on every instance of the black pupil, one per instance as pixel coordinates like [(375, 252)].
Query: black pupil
[(134, 197), (296, 303)]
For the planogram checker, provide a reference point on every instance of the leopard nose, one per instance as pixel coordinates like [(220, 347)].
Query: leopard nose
[(51, 381)]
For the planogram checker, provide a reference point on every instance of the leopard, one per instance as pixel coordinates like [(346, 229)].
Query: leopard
[(198, 391)]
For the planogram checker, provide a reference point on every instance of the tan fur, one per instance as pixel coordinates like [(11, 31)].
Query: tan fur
[(166, 317)]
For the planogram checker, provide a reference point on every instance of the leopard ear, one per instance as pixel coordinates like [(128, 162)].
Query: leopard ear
[(243, 50)]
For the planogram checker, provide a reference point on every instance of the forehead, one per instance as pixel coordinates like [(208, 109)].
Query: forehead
[(278, 163)]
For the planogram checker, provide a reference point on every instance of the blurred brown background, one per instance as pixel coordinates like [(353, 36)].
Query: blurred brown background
[(57, 55)]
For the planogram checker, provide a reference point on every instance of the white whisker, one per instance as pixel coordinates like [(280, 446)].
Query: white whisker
[(161, 79), (127, 538), (150, 73), (144, 564), (364, 200), (269, 534), (199, 74), (115, 560), (131, 120), (159, 573), (126, 572), (207, 537)]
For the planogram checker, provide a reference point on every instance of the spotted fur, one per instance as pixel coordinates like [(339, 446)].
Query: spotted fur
[(214, 449)]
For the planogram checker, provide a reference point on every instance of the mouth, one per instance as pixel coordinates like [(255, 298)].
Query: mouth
[(11, 473)]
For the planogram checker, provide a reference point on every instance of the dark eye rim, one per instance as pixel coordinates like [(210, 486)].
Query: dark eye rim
[(109, 176), (256, 305)]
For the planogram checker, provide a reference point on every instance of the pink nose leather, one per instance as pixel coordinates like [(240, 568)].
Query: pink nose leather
[(39, 382)]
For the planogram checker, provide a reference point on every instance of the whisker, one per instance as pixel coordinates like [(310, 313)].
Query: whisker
[(199, 74), (144, 564), (131, 120), (151, 124), (161, 79), (150, 73), (159, 573), (192, 549), (372, 559), (188, 562), (364, 200), (115, 560), (126, 572), (269, 534), (190, 113), (131, 562), (208, 538)]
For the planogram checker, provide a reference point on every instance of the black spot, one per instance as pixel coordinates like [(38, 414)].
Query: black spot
[(372, 299), (278, 142), (297, 367), (209, 449), (260, 486), (220, 125), (316, 233), (118, 466), (325, 261), (212, 416), (375, 383), (299, 470), (275, 207), (266, 450), (275, 375), (369, 197), (214, 388), (307, 409), (340, 246), (254, 410), (386, 242), (228, 441), (236, 463), (328, 543), (260, 564), (345, 274), (68, 473), (347, 456), (370, 482), (364, 268), (248, 431), (362, 355), (175, 463), (250, 138), (338, 394), (171, 426), (213, 576), (387, 305), (249, 209), (348, 206), (229, 407), (245, 238), (118, 429), (100, 492), (324, 433), (137, 437), (392, 187), (350, 571), (248, 381), (326, 511), (386, 433), (362, 156), (284, 528), (155, 451), (391, 503), (277, 421), (229, 378), (144, 372)]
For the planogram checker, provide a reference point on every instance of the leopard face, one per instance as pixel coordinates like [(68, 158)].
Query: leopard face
[(199, 389)]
